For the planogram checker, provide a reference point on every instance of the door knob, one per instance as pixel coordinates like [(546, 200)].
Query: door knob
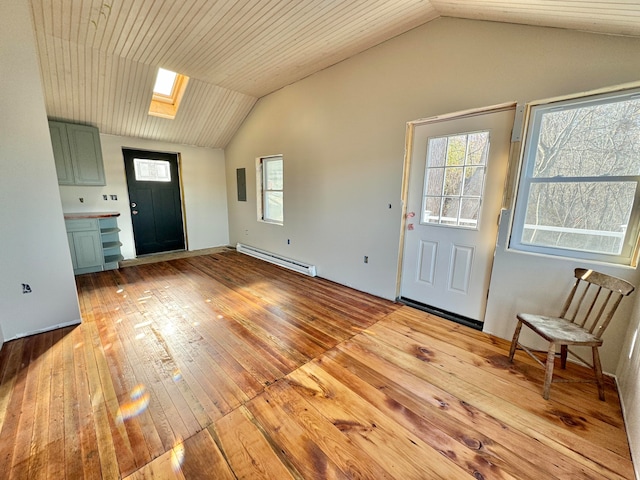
[(134, 212), (134, 204)]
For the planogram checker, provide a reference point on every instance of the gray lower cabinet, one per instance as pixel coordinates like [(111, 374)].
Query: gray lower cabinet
[(85, 245), (77, 153), (94, 244)]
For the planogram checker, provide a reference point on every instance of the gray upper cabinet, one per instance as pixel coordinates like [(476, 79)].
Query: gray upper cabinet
[(77, 153), (61, 153)]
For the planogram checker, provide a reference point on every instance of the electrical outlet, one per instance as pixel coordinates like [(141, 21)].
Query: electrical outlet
[(26, 288), (288, 241), (114, 197), (81, 199), (104, 197), (366, 259)]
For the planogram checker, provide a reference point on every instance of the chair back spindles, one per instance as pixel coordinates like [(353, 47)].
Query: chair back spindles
[(585, 320), (605, 324), (598, 306), (605, 302), (579, 303), (567, 303)]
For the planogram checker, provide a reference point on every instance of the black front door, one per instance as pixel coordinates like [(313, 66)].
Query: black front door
[(154, 198)]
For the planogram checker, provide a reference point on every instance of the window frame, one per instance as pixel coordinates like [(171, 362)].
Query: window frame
[(263, 190), (535, 112)]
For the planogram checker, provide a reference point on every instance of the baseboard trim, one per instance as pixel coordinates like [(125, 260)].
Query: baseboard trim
[(46, 329), (634, 461)]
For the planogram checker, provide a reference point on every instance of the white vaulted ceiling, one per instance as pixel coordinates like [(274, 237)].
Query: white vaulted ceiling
[(99, 58)]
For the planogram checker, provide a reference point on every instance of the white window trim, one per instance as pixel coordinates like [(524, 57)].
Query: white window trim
[(629, 254), (261, 191)]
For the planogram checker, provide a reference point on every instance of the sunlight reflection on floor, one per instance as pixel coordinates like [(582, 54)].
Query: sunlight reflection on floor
[(139, 401), (177, 455)]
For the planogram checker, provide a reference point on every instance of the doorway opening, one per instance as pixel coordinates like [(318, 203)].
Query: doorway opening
[(455, 173), (155, 200)]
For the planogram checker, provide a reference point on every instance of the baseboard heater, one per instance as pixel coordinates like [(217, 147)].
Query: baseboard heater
[(277, 259)]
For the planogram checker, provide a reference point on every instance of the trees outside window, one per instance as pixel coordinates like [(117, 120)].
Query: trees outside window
[(578, 194)]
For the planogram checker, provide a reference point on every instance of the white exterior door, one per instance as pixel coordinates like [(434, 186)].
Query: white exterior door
[(456, 182)]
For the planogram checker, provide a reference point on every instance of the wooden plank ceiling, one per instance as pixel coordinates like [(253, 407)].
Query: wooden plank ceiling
[(99, 58)]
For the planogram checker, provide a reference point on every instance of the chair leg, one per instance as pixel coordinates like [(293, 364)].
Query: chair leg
[(551, 356), (514, 342), (597, 368), (564, 350)]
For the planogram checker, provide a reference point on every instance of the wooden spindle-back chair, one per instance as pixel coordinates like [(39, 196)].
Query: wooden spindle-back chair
[(586, 314)]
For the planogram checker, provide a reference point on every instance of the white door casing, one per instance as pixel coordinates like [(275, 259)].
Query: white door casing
[(446, 261)]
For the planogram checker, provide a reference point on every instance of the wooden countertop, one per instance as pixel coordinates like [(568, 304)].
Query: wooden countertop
[(74, 216)]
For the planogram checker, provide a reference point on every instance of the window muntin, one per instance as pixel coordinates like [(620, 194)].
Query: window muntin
[(454, 179), (272, 189), (578, 195)]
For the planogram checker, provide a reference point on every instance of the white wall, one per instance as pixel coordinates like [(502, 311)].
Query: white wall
[(32, 233), (628, 374), (342, 133), (204, 191)]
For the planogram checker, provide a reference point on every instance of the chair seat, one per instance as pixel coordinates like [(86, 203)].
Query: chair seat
[(559, 330)]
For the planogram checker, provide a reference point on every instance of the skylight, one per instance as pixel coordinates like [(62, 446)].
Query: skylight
[(167, 93), (165, 81)]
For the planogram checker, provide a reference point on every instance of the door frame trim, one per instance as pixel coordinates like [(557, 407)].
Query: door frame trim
[(408, 147), (183, 204)]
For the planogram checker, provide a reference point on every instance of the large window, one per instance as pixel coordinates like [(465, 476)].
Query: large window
[(271, 188), (578, 194)]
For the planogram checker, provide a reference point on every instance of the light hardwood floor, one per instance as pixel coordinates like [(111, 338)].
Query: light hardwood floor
[(223, 367)]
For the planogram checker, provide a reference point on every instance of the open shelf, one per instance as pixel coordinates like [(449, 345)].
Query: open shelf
[(110, 242), (113, 258)]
